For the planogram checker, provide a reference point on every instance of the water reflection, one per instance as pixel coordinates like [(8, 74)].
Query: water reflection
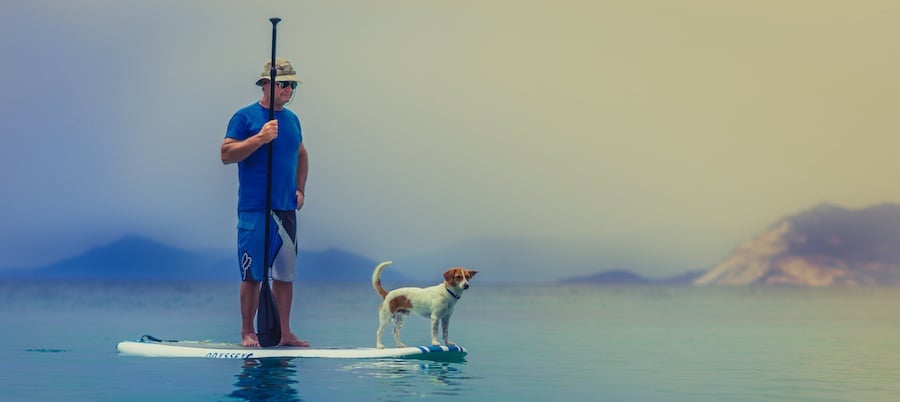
[(411, 378), (277, 379), (269, 379)]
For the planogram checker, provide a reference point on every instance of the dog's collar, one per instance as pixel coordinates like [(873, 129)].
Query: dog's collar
[(451, 293)]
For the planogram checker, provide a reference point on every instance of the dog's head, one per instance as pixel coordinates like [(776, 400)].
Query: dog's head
[(459, 277)]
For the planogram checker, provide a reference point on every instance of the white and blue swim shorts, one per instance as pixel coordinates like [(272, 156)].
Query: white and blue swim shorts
[(282, 245)]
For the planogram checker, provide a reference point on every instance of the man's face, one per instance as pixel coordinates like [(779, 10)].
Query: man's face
[(284, 90)]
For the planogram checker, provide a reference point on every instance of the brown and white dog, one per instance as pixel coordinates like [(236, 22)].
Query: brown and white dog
[(435, 302)]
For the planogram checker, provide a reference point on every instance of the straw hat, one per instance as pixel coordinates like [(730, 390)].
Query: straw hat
[(283, 72)]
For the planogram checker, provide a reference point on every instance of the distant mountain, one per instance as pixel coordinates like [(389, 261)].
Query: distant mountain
[(334, 265), (614, 277), (134, 257), (506, 259), (624, 277), (686, 278), (826, 245)]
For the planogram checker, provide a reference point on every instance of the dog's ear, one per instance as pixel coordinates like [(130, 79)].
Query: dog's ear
[(470, 273), (448, 275)]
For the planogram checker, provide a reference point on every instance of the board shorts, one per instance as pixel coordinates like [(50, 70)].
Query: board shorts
[(282, 245)]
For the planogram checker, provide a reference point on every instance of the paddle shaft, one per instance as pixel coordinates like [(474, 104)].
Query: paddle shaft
[(269, 326), (272, 74)]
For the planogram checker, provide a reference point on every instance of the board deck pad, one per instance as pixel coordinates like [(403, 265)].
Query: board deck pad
[(152, 347)]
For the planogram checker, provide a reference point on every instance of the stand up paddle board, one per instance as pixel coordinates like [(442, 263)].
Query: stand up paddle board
[(152, 347)]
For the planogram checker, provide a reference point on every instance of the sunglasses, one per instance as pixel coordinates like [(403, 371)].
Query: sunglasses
[(285, 84)]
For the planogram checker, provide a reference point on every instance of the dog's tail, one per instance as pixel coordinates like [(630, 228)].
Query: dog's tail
[(376, 278)]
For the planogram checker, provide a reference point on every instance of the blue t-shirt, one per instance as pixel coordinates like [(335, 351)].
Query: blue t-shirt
[(246, 123)]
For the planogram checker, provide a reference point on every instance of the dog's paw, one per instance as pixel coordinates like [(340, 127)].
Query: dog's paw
[(448, 343), (379, 346), (401, 345)]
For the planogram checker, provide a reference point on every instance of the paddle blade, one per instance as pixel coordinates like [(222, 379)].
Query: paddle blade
[(267, 323)]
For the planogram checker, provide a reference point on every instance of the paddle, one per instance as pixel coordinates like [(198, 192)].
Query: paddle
[(268, 325)]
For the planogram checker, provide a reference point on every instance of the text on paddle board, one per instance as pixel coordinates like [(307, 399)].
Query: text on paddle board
[(231, 355)]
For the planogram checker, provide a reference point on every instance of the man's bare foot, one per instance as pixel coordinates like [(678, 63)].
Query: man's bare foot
[(290, 339), (249, 340)]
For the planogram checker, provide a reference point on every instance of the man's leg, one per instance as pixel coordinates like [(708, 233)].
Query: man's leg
[(284, 297), (249, 302), (250, 257)]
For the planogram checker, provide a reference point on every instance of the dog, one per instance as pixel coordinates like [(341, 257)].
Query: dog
[(435, 302)]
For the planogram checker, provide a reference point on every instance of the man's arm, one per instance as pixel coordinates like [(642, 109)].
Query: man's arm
[(235, 151), (302, 172)]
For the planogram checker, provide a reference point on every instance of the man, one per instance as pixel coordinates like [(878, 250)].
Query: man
[(249, 130)]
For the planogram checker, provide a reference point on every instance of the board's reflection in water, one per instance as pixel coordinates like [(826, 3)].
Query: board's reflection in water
[(269, 379), (277, 379), (404, 379)]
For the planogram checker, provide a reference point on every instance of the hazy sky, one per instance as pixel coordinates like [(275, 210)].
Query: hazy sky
[(674, 128)]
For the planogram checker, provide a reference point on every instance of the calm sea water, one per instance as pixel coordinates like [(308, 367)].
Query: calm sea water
[(526, 343)]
